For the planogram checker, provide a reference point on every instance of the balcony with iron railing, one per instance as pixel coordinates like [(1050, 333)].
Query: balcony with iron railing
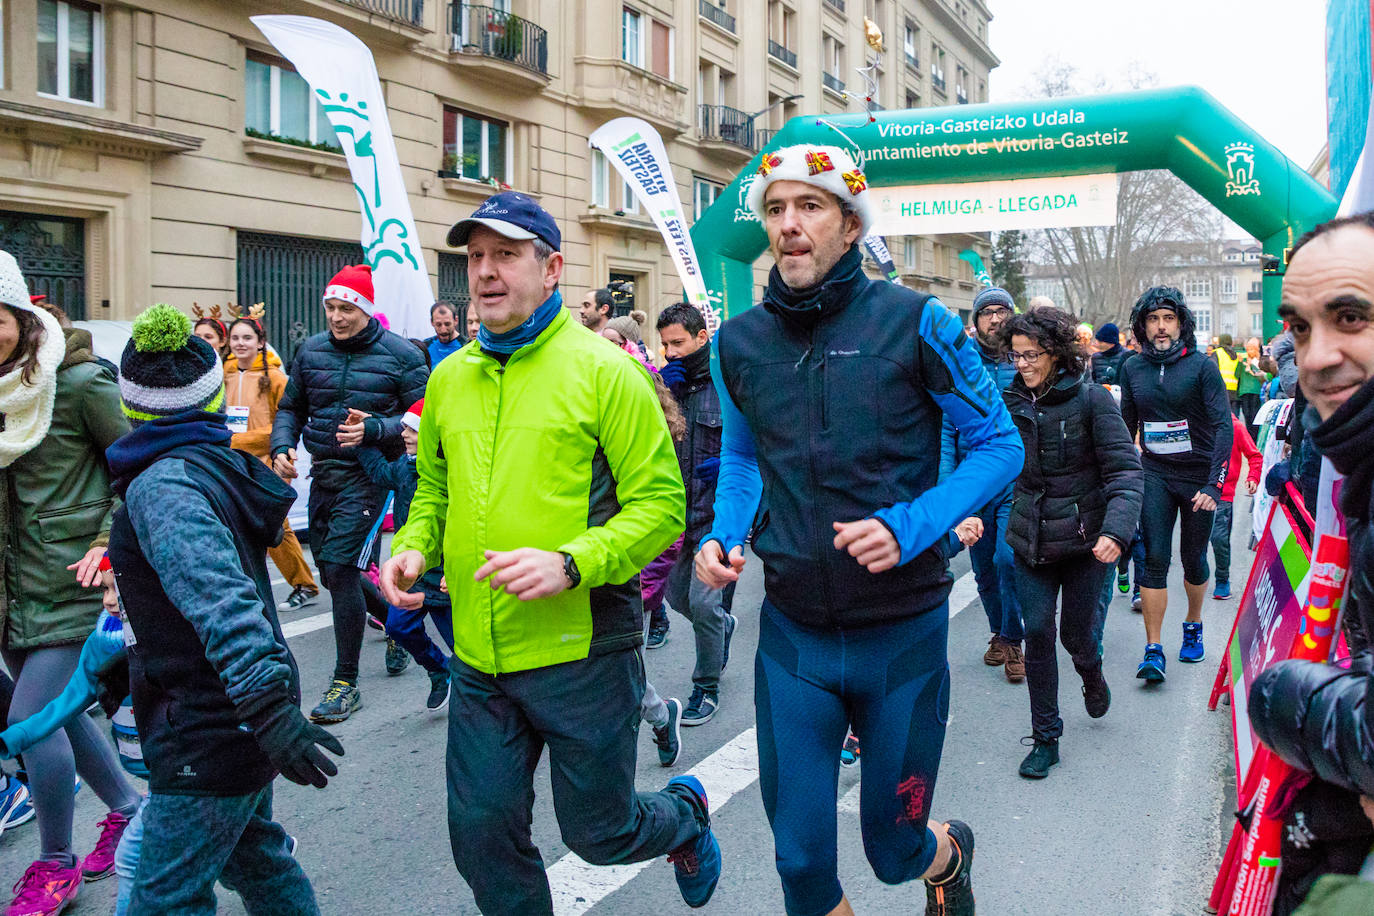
[(764, 137), (728, 126), (913, 62), (716, 15), (960, 95), (836, 5), (411, 12), (1254, 295), (938, 80), (833, 83), (485, 34), (778, 52)]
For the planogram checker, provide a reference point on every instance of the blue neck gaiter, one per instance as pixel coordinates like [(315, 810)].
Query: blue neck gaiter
[(514, 339)]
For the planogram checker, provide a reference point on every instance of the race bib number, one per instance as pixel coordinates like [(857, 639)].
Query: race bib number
[(238, 419), (1167, 437)]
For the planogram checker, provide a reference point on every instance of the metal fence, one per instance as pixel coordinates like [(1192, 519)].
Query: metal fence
[(832, 82), (782, 54), (495, 33), (717, 15), (288, 274), (409, 11), (721, 122)]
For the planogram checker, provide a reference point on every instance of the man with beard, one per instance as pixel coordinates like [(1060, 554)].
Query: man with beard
[(832, 391), (1173, 396), (1317, 717), (596, 309), (992, 559)]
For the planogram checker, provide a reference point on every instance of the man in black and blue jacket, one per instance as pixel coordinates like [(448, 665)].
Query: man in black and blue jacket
[(993, 562), (832, 393), (215, 690)]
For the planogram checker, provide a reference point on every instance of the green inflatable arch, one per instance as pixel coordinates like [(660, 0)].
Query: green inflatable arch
[(1183, 130)]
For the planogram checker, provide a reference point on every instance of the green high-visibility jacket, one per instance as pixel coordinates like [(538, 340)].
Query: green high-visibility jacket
[(564, 448)]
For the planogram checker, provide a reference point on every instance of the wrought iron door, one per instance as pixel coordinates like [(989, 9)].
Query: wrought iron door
[(51, 251), (289, 274)]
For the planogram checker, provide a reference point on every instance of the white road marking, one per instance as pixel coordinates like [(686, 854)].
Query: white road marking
[(849, 801), (577, 886), (308, 624), (278, 581), (964, 593)]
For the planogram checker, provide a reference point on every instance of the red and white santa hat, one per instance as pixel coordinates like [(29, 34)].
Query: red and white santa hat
[(412, 416), (352, 285)]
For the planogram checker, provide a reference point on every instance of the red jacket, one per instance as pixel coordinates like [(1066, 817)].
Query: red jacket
[(1241, 441)]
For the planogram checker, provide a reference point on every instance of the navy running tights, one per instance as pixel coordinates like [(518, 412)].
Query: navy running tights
[(891, 683)]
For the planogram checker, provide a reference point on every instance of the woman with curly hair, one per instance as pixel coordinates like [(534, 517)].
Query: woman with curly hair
[(61, 411), (1073, 510)]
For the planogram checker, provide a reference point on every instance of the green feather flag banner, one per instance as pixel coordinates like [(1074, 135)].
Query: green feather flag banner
[(980, 273)]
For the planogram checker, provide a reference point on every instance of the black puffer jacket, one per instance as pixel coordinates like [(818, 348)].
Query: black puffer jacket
[(1315, 716), (374, 371), (1082, 477), (1106, 366)]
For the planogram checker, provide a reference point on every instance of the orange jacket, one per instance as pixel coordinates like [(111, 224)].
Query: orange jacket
[(242, 388)]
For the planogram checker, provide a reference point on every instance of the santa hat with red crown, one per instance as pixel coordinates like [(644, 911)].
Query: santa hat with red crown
[(412, 416), (354, 286)]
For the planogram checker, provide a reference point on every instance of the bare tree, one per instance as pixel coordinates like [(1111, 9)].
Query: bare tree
[(1106, 267)]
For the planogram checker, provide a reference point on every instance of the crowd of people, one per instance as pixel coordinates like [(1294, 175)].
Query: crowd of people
[(556, 488)]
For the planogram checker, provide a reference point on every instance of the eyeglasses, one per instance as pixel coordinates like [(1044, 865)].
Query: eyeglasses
[(996, 311), (1029, 356)]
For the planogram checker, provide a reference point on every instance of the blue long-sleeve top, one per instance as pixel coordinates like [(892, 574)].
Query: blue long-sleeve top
[(994, 457), (102, 648)]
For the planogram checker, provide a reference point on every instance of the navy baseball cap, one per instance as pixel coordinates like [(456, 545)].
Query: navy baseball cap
[(512, 214)]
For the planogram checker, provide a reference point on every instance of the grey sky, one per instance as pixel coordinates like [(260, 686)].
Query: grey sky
[(1263, 59)]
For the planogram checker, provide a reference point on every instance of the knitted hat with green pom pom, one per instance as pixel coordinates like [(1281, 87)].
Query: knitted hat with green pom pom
[(167, 370)]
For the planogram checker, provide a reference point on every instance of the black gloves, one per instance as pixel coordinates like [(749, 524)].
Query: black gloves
[(288, 739)]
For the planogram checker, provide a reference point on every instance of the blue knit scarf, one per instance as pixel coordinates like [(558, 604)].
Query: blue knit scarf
[(534, 325)]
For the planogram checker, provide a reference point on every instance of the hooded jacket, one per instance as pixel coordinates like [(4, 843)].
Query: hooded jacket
[(1318, 717), (56, 504), (832, 400), (243, 388), (1082, 476), (206, 652), (701, 409), (374, 371), (1179, 405)]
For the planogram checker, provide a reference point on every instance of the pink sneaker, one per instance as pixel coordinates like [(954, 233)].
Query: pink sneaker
[(45, 890), (100, 863)]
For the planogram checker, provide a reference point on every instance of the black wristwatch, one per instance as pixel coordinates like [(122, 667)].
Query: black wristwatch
[(570, 570)]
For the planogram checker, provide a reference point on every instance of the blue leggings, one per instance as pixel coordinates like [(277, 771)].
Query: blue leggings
[(891, 682)]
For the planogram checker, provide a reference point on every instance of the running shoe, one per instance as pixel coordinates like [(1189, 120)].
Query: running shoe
[(101, 862), (45, 889), (849, 754), (1097, 696), (658, 637), (996, 655), (1135, 601), (697, 862), (397, 659), (668, 736), (300, 596), (700, 708), (1151, 668), (1192, 649), (438, 691), (1123, 582), (730, 623), (1015, 665), (953, 895), (15, 805), (340, 701), (1222, 591), (1044, 754), (375, 623)]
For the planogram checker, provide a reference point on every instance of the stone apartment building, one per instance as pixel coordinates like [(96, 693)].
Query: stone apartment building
[(159, 150)]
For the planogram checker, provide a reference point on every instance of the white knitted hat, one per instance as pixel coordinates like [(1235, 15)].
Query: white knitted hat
[(13, 290), (828, 167)]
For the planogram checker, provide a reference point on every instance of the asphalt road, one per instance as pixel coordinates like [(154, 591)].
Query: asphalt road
[(1130, 822)]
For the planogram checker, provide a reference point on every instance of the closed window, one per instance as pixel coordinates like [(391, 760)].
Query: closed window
[(1203, 317), (910, 251), (1228, 289), (609, 190), (704, 194), (1197, 289), (70, 58), (1256, 323), (278, 103), (475, 147), (631, 37)]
